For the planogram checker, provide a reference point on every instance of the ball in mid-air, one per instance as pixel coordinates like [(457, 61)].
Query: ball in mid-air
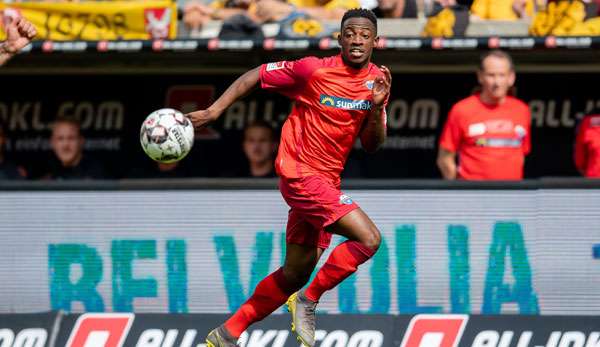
[(167, 135)]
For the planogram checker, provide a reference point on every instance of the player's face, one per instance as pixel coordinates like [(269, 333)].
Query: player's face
[(496, 78), (258, 145), (67, 143), (357, 39)]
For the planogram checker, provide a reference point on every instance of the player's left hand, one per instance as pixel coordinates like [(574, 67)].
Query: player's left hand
[(381, 87), (19, 33)]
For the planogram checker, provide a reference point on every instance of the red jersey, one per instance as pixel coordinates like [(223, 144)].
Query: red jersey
[(331, 102), (491, 140), (587, 146)]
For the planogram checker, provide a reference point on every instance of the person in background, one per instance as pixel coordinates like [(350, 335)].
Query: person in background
[(587, 145), (19, 33), (69, 161), (488, 131), (259, 146), (396, 9), (502, 9)]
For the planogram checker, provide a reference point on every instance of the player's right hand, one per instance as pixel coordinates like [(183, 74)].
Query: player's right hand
[(201, 118), (19, 32)]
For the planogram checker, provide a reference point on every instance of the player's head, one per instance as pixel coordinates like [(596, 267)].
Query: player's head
[(259, 142), (358, 36), (496, 74), (66, 141)]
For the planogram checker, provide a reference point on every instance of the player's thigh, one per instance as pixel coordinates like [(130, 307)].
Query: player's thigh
[(357, 226)]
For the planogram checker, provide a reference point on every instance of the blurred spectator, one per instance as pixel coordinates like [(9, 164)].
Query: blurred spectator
[(19, 32), (396, 9), (490, 130), (587, 145), (502, 9), (67, 143), (196, 14), (561, 18), (8, 169), (448, 18), (259, 145)]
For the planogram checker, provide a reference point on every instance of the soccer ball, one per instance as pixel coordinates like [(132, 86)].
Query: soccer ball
[(167, 135)]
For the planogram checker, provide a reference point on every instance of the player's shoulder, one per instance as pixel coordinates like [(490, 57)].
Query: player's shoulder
[(517, 103), (467, 103)]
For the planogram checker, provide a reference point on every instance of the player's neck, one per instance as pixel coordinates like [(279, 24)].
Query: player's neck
[(355, 66), (490, 100)]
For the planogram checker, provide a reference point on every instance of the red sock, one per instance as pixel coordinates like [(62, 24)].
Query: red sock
[(343, 262), (272, 292)]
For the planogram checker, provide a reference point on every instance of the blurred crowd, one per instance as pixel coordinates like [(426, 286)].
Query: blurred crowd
[(436, 18)]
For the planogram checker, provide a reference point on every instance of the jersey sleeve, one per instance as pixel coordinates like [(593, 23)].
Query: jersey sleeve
[(580, 154), (287, 77), (451, 137)]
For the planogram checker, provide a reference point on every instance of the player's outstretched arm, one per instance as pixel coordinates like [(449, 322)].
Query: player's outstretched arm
[(373, 133), (240, 88), (19, 33)]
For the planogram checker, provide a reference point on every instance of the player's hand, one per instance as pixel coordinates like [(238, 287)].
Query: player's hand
[(19, 33), (381, 87), (201, 118)]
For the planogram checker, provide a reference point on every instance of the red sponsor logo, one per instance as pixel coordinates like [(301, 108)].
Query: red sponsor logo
[(382, 43), (100, 330), (213, 44), (269, 44), (157, 22), (47, 46), (550, 42), (102, 46), (157, 45), (324, 43), (494, 42), (437, 43), (192, 98), (434, 330)]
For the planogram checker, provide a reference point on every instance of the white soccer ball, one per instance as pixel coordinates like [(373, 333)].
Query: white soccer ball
[(167, 135)]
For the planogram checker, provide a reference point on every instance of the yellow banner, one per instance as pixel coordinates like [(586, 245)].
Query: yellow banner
[(102, 20)]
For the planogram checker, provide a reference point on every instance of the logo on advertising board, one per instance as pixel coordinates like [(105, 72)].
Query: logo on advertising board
[(100, 330), (157, 22), (189, 98), (426, 330)]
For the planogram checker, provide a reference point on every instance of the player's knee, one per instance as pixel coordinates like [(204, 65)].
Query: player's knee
[(372, 239)]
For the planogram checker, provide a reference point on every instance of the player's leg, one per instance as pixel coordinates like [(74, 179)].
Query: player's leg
[(273, 291), (363, 241)]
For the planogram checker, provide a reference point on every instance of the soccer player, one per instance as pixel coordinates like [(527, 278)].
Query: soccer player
[(19, 33), (337, 99), (490, 130), (587, 145)]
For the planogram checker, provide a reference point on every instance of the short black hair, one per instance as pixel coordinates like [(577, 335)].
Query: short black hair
[(360, 13), (260, 123), (496, 53)]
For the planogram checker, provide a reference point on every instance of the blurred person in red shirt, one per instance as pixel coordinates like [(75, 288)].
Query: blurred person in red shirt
[(488, 131), (587, 145), (19, 32)]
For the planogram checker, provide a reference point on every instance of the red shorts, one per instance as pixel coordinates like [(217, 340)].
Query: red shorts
[(315, 202)]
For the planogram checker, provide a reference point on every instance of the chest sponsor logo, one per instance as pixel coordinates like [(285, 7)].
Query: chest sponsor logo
[(476, 129), (344, 103)]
